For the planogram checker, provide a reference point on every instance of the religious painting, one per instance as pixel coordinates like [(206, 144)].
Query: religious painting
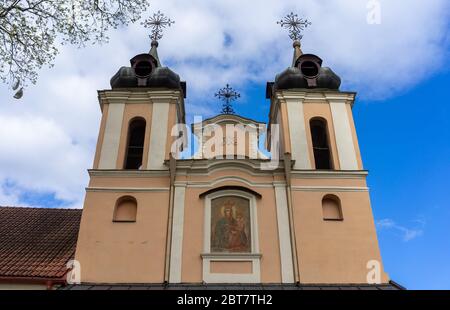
[(230, 225)]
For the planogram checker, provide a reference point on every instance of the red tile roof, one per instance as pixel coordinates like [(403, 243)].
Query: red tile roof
[(37, 242)]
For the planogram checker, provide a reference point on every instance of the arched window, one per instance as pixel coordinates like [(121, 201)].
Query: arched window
[(320, 142), (135, 144), (125, 210), (331, 208)]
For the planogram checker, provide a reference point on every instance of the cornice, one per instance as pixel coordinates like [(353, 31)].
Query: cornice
[(136, 96), (330, 189), (127, 189), (198, 127), (127, 173), (143, 95), (315, 95), (330, 174), (251, 166), (207, 166)]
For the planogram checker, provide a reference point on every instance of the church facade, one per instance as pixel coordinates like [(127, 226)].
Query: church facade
[(229, 213)]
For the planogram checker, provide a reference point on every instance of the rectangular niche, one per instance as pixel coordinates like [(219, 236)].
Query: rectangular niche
[(231, 250), (232, 267)]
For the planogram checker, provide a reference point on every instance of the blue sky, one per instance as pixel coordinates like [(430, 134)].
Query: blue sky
[(399, 68), (405, 142), (405, 145)]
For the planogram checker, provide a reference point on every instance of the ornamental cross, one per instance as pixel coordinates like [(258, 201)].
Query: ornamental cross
[(157, 23), (227, 95), (295, 25)]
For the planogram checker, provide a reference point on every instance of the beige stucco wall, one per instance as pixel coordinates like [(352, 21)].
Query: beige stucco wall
[(194, 230), (328, 252), (315, 104), (134, 252), (138, 104), (124, 180), (112, 252), (335, 251)]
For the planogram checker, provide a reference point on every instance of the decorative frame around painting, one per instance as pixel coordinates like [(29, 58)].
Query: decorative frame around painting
[(238, 251)]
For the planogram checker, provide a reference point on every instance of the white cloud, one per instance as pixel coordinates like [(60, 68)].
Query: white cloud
[(378, 60), (9, 197), (47, 139), (407, 234), (38, 155)]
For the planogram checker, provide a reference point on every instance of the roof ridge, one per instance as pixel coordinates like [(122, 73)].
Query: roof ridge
[(40, 208)]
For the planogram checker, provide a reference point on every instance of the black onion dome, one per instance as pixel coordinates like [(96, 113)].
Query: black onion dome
[(125, 77), (146, 71), (306, 72), (159, 77), (164, 77), (294, 78), (328, 79)]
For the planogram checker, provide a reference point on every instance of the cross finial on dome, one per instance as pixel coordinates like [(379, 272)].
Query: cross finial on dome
[(227, 95), (295, 25), (157, 23)]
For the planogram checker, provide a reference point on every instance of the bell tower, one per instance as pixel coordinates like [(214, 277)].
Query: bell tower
[(242, 218), (331, 219), (126, 208)]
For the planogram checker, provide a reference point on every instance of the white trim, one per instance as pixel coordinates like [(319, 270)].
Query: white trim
[(244, 169), (214, 183), (139, 96), (198, 127), (297, 130), (303, 174), (228, 179), (254, 277), (284, 239), (254, 256), (158, 136), (126, 189), (128, 173), (332, 174), (344, 137), (176, 253), (111, 137), (207, 167), (317, 96), (330, 189), (143, 95), (218, 256)]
